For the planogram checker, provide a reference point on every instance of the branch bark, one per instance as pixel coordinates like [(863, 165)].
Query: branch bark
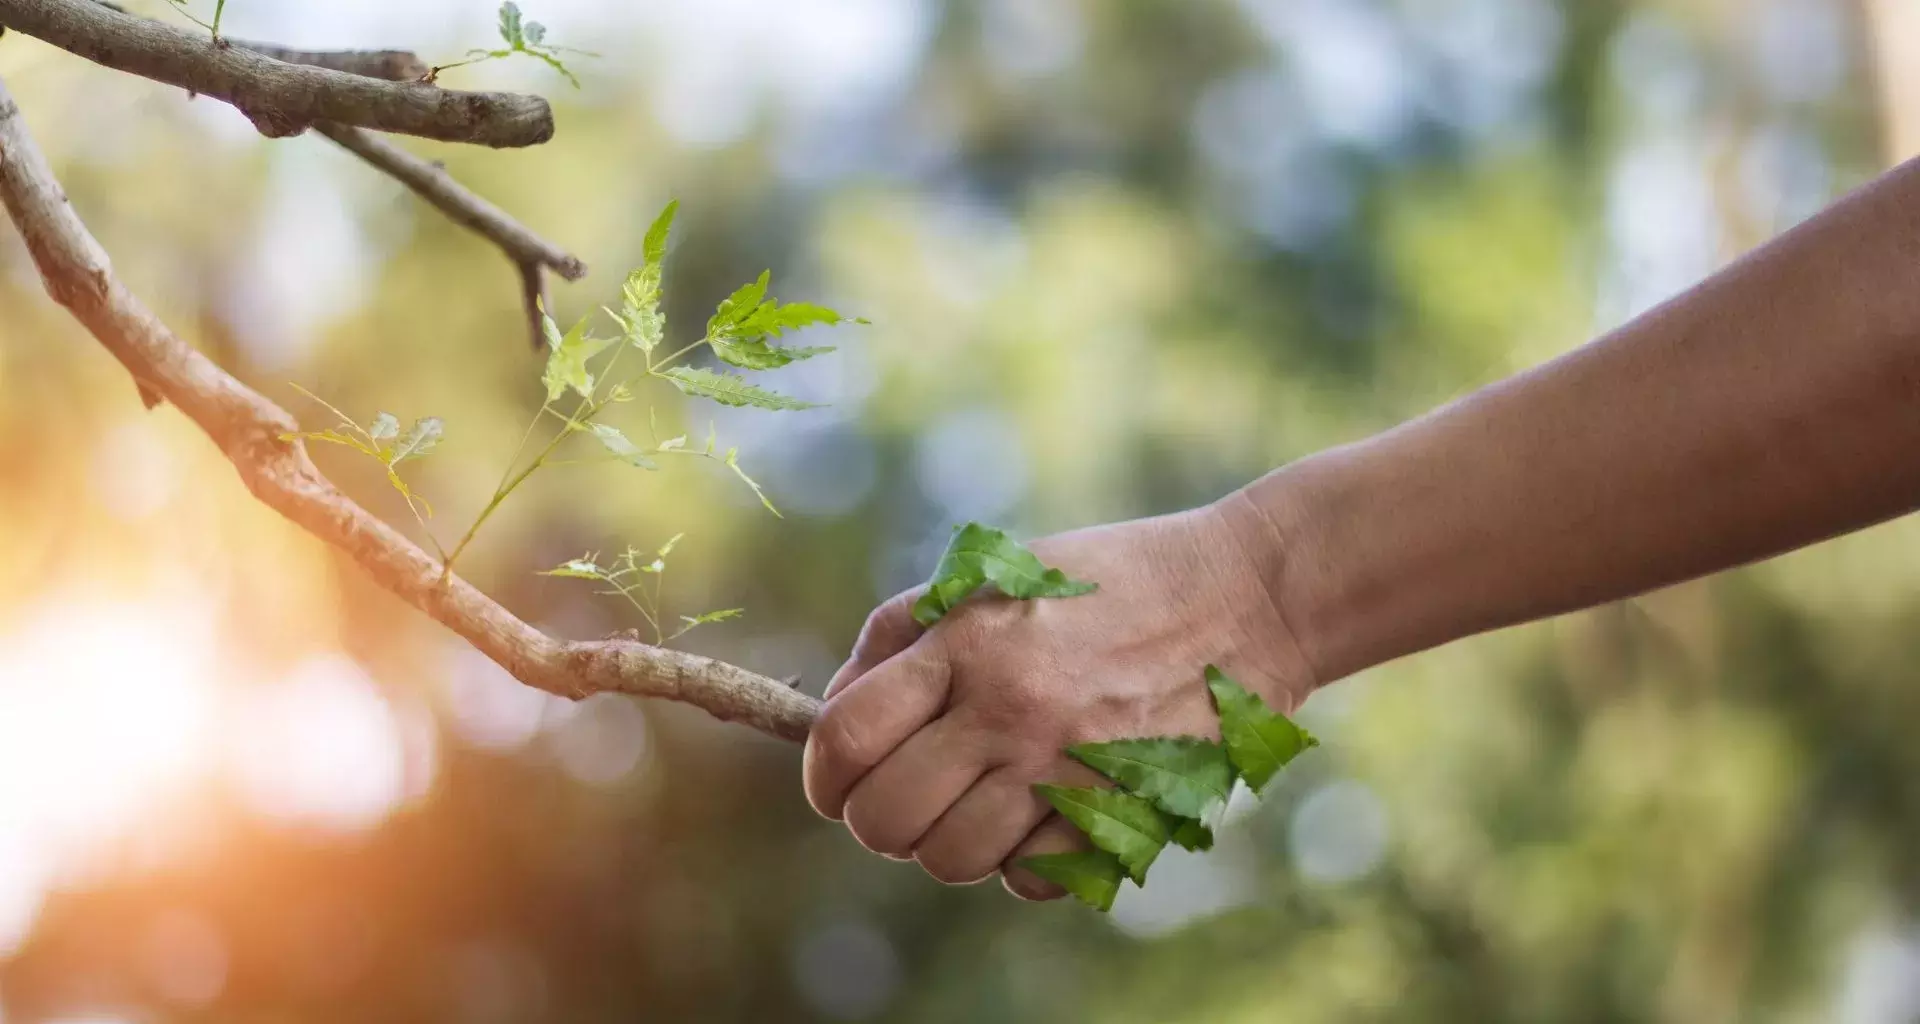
[(247, 428), (530, 253), (280, 98)]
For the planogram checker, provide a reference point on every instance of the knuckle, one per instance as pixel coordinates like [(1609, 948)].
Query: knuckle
[(843, 740)]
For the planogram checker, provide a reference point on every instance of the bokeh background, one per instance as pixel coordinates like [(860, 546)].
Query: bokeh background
[(1120, 257)]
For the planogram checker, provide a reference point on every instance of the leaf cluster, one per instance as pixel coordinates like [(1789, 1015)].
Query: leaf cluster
[(519, 36), (582, 366), (1167, 789), (637, 575), (383, 441)]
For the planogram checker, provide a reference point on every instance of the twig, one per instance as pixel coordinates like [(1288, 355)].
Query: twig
[(528, 251), (247, 428), (278, 97), (389, 65)]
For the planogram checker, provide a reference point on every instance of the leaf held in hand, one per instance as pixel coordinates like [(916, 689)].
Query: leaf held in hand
[(978, 555), (1185, 776), (728, 389), (1259, 740), (1092, 876), (1120, 823), (1191, 834)]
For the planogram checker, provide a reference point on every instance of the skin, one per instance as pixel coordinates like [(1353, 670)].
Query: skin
[(1774, 405)]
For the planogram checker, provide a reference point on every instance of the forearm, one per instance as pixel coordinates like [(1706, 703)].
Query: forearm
[(1774, 405)]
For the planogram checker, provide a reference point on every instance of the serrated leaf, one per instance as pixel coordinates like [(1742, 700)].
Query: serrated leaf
[(578, 568), (533, 32), (385, 427), (715, 616), (510, 31), (1259, 740), (616, 442), (667, 548), (1185, 776), (567, 357), (733, 462), (654, 248), (644, 322), (729, 389), (421, 438), (754, 353), (774, 318), (1092, 876), (978, 555), (739, 306), (1191, 834), (1120, 823)]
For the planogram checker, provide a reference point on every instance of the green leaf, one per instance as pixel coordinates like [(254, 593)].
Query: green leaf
[(421, 439), (733, 462), (667, 548), (533, 32), (739, 306), (978, 555), (774, 318), (510, 31), (385, 427), (729, 389), (616, 442), (654, 248), (717, 616), (1259, 739), (567, 358), (753, 352), (1184, 776), (1120, 823), (1092, 876), (578, 568), (1190, 834)]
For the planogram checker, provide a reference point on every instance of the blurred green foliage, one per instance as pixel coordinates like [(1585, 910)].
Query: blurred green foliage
[(1120, 257)]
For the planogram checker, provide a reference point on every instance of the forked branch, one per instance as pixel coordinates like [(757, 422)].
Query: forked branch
[(247, 428), (280, 98)]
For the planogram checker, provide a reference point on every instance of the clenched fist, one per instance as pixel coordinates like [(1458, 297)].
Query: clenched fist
[(931, 739)]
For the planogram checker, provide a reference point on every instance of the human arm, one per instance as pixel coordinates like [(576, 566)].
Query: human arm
[(1776, 404)]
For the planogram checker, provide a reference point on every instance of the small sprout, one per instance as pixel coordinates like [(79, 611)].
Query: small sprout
[(521, 37)]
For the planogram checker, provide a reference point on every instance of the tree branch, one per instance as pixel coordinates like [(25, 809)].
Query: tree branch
[(247, 428), (278, 97), (390, 65), (528, 251)]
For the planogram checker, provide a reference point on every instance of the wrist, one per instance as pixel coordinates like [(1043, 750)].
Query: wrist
[(1258, 542)]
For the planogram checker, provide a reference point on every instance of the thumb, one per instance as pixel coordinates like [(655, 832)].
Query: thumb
[(890, 629)]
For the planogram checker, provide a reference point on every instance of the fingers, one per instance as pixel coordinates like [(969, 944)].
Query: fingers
[(869, 718), (981, 830), (1055, 835), (898, 801), (888, 631)]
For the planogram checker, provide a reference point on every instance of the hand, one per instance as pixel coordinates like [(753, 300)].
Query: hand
[(931, 739)]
